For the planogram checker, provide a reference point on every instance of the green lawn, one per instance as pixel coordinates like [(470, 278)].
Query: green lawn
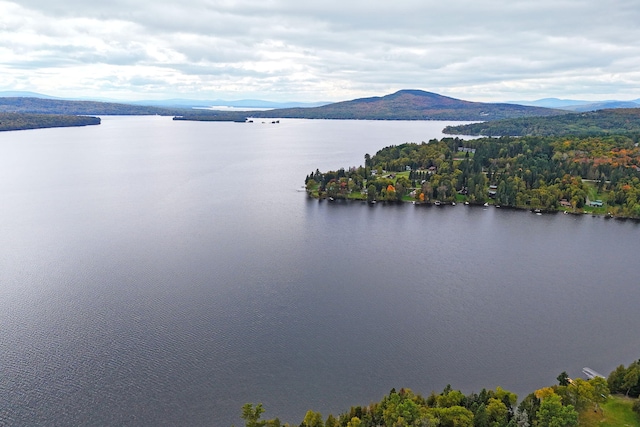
[(616, 412)]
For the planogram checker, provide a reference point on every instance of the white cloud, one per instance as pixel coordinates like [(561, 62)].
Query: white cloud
[(329, 50)]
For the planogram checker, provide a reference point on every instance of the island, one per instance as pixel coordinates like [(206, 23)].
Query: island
[(597, 175), (24, 121), (572, 402)]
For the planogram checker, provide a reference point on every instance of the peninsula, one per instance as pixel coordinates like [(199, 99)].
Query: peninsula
[(597, 175)]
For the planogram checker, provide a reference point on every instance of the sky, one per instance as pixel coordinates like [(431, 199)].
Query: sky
[(329, 50)]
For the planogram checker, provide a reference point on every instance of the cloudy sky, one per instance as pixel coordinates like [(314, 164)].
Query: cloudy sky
[(329, 50)]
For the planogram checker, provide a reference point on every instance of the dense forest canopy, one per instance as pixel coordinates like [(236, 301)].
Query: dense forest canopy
[(570, 403), (575, 174), (623, 121)]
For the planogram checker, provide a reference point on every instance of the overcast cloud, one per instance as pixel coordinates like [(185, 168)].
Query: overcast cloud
[(330, 50)]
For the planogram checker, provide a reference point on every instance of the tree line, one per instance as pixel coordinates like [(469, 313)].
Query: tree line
[(560, 405), (602, 122), (23, 121)]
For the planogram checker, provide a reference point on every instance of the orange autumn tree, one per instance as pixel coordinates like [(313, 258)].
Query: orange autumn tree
[(391, 192)]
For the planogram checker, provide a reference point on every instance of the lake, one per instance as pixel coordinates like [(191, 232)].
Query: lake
[(155, 273)]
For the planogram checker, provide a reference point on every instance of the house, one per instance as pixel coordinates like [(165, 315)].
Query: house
[(432, 170), (565, 203), (467, 150), (596, 203)]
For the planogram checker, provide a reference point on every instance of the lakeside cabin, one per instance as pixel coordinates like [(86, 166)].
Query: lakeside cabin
[(596, 203)]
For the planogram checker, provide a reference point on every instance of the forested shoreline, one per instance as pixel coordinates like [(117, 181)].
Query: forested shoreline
[(24, 121), (599, 174), (570, 403), (620, 121)]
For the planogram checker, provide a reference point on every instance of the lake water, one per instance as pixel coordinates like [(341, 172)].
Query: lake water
[(165, 273)]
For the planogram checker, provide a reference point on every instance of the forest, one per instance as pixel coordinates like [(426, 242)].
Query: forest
[(23, 121), (571, 402), (621, 121), (597, 175)]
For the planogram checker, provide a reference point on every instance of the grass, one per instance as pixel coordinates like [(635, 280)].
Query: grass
[(616, 412)]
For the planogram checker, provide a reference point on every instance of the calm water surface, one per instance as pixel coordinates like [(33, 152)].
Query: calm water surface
[(165, 273)]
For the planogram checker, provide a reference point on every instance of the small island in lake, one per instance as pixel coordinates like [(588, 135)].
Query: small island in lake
[(595, 174)]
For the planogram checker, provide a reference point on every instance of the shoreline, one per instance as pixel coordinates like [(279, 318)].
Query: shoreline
[(436, 204)]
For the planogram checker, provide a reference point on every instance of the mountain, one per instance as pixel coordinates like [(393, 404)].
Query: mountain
[(24, 94), (411, 105)]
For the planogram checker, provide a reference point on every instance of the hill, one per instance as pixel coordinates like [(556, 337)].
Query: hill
[(602, 106), (579, 105), (623, 121), (59, 106), (405, 105), (23, 121)]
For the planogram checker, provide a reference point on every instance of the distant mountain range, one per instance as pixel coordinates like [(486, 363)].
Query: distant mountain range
[(404, 105), (177, 102), (577, 105), (436, 101)]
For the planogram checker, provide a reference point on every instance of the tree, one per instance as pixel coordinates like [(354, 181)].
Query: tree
[(481, 419), (600, 390), (581, 393), (371, 193), (251, 415), (497, 412), (521, 418), (313, 419), (616, 378), (311, 185), (331, 421), (391, 193), (632, 377), (553, 414), (354, 422), (454, 416), (563, 379)]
